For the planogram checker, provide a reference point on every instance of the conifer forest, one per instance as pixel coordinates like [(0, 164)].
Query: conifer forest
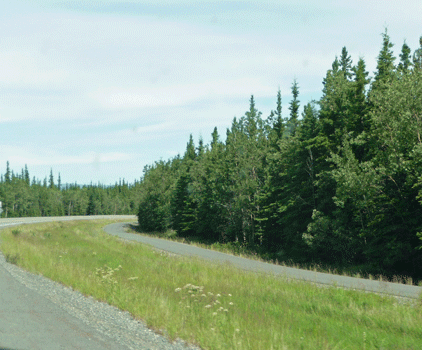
[(337, 181), (23, 197)]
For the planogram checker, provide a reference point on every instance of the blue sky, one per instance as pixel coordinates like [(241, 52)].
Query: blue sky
[(96, 90)]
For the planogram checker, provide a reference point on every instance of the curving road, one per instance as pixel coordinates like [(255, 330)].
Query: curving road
[(395, 289)]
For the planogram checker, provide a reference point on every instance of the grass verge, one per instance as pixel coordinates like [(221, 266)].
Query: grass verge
[(255, 253), (212, 305)]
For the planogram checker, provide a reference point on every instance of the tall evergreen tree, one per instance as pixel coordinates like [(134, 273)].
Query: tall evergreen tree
[(405, 62), (417, 56), (278, 122), (51, 179), (334, 107), (275, 123), (7, 176), (385, 63), (190, 153), (294, 108), (215, 138), (346, 63), (252, 120), (183, 207), (26, 174), (201, 148), (359, 104)]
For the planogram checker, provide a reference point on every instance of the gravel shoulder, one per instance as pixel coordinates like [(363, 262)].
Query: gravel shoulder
[(393, 289), (37, 313)]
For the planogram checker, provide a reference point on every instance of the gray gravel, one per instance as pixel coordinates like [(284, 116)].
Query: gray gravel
[(37, 313)]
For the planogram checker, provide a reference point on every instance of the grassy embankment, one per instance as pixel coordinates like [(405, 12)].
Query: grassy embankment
[(255, 253), (214, 306)]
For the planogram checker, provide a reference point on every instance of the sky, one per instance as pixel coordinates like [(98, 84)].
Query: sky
[(96, 90)]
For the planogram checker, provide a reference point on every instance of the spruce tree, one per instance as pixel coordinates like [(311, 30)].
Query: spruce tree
[(417, 56), (294, 108), (275, 124), (26, 174), (51, 179), (7, 176), (215, 138), (190, 153), (385, 63), (278, 122), (359, 104), (252, 120), (405, 62), (309, 125), (201, 148), (346, 63)]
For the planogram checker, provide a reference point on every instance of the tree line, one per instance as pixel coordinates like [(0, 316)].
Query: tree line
[(337, 181), (22, 197)]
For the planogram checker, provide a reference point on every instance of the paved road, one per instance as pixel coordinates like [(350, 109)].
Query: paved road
[(28, 320), (37, 313), (19, 221), (395, 289)]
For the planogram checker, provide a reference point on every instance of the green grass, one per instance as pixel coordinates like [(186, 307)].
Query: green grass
[(212, 305), (255, 253)]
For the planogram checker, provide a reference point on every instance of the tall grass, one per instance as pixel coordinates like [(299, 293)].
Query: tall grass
[(215, 306), (257, 253)]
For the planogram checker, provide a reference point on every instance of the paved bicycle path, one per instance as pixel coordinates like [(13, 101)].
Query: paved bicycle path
[(400, 290)]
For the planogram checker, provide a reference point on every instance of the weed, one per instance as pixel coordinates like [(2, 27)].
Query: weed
[(12, 258), (16, 232), (107, 274)]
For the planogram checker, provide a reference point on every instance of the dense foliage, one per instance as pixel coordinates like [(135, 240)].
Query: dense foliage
[(342, 184), (22, 197)]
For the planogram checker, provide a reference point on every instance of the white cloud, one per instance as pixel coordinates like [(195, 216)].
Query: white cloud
[(24, 68), (178, 95), (19, 156)]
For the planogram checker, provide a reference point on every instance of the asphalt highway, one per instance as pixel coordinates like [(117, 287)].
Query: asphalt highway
[(37, 313)]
